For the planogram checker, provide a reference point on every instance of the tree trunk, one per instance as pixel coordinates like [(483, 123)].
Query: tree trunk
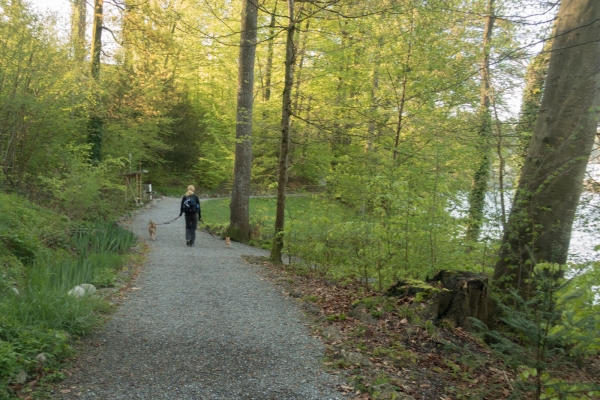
[(402, 100), (239, 227), (96, 123), (300, 54), (541, 219), (78, 30), (269, 66), (453, 295), (480, 179), (286, 113), (532, 97), (97, 39)]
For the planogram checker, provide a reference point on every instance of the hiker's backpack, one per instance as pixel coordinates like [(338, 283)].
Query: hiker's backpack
[(189, 205)]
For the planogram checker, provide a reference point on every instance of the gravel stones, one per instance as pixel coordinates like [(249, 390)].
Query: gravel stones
[(203, 325)]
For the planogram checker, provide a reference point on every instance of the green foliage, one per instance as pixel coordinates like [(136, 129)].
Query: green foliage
[(42, 256), (336, 317), (83, 190), (542, 335), (335, 239)]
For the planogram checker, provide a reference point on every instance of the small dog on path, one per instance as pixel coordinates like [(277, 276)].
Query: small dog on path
[(227, 242), (152, 230)]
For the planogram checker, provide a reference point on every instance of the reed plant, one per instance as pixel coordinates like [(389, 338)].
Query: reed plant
[(103, 237)]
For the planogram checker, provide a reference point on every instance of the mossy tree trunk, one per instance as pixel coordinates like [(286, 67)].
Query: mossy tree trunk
[(482, 173), (551, 182), (532, 97)]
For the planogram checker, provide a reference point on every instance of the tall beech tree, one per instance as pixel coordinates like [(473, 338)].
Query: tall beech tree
[(482, 173), (284, 153), (269, 65), (239, 220), (96, 123), (532, 97), (551, 182), (79, 18)]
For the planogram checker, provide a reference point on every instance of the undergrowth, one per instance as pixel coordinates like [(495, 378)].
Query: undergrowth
[(43, 255)]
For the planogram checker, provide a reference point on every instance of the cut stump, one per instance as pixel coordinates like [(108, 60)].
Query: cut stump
[(454, 295)]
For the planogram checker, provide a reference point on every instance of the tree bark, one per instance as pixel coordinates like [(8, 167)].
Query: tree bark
[(269, 66), (239, 226), (541, 219), (480, 179), (96, 123), (97, 39), (532, 97), (286, 113), (78, 30)]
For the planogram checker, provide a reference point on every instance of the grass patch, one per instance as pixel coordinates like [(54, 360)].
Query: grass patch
[(262, 214)]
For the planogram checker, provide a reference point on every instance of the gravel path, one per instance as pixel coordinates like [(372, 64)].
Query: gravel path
[(204, 325)]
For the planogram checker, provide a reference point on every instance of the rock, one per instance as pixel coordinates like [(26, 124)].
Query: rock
[(82, 290), (40, 358), (356, 359), (21, 377), (385, 391), (89, 288), (362, 317), (331, 333), (310, 308), (77, 292)]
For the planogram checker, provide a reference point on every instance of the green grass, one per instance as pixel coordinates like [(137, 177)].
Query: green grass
[(299, 211), (262, 210), (170, 191)]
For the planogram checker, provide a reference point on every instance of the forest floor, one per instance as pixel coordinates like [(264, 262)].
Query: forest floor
[(385, 349), (218, 322)]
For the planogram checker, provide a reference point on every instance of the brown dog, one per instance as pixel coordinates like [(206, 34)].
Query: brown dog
[(152, 230)]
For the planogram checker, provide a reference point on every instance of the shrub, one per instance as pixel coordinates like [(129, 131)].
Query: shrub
[(540, 338)]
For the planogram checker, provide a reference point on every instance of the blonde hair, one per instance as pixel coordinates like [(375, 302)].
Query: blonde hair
[(190, 190)]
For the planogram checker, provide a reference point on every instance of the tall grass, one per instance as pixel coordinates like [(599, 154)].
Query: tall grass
[(48, 274), (51, 309), (103, 237)]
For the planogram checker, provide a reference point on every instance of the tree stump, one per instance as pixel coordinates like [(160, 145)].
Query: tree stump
[(454, 295)]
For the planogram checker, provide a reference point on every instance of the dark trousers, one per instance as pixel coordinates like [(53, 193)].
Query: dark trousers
[(191, 224)]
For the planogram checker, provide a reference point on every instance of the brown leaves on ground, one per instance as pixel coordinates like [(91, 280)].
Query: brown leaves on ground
[(401, 352)]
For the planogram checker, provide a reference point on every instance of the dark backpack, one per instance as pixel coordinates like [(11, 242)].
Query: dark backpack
[(189, 205)]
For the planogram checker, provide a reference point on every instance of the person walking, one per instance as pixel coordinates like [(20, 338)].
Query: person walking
[(190, 205)]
